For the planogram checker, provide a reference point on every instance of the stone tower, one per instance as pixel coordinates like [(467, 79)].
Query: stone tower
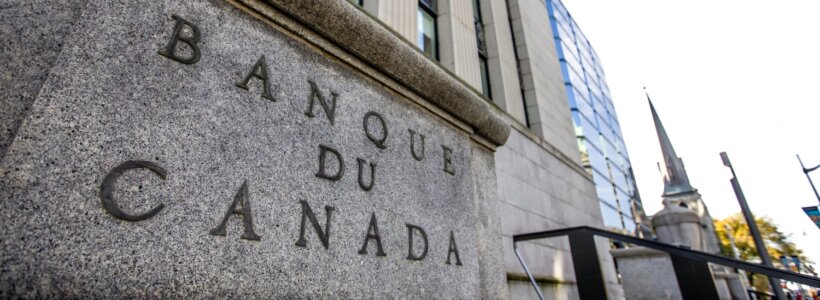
[(684, 218)]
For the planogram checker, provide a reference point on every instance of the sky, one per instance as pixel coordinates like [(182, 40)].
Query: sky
[(731, 75)]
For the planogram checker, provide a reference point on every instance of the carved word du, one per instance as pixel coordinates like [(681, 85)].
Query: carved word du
[(183, 47)]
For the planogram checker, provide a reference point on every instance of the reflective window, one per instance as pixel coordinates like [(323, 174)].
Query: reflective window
[(598, 162), (604, 123), (610, 215), (596, 125), (609, 149), (572, 104), (482, 49), (428, 40), (564, 33), (485, 77), (629, 225), (570, 51), (620, 179), (594, 85), (585, 108), (624, 200)]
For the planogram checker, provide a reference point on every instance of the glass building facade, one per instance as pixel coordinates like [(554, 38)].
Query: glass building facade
[(598, 132)]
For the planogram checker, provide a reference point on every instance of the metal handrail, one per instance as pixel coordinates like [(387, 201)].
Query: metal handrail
[(672, 250)]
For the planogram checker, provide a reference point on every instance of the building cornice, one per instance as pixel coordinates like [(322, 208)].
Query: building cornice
[(369, 40)]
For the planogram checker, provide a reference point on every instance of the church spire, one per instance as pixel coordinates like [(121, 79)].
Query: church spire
[(675, 180)]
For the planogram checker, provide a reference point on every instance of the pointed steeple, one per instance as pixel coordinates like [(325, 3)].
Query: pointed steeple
[(675, 180)]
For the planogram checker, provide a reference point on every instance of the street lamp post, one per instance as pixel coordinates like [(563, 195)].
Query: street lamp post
[(750, 221)]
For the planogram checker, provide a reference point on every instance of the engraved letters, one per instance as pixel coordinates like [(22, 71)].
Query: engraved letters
[(259, 71), (107, 189), (364, 186), (323, 150), (374, 228), (410, 254), (170, 50), (183, 46), (380, 142), (241, 206), (448, 160), (330, 109), (416, 156), (242, 199), (307, 213), (453, 249)]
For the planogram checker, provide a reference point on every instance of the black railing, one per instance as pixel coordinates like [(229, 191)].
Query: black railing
[(688, 264)]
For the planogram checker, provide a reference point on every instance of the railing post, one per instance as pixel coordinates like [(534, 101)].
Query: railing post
[(587, 269), (694, 278), (527, 270)]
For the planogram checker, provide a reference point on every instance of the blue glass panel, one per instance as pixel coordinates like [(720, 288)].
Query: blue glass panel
[(610, 215), (609, 149), (582, 93), (619, 179), (605, 87), (594, 117), (591, 130), (598, 162), (592, 83), (564, 33), (558, 10), (629, 225), (603, 122), (580, 38), (608, 135), (594, 87), (583, 106), (625, 200), (570, 51), (573, 104), (585, 59), (576, 122), (574, 65)]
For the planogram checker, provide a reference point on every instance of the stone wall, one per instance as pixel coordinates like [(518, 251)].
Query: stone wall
[(545, 96), (33, 34), (540, 189), (247, 149)]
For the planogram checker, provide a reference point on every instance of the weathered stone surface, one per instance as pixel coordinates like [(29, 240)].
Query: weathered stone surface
[(647, 274), (31, 35), (678, 226), (111, 97), (355, 31)]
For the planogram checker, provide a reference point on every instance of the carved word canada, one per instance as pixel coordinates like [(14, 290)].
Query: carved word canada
[(241, 206)]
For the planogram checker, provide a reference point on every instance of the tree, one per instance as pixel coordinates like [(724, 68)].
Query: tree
[(777, 243)]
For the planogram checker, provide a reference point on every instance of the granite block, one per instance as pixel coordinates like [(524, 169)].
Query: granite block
[(201, 112), (31, 35)]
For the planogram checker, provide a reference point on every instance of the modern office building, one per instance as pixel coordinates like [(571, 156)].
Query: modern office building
[(600, 141)]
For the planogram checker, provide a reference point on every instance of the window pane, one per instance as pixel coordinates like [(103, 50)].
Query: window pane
[(427, 33), (485, 78)]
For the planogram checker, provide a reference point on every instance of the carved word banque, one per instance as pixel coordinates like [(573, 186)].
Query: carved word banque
[(188, 34)]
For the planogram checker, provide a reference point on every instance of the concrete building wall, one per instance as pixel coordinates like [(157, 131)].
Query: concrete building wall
[(458, 49), (502, 64), (540, 189), (546, 99), (398, 15), (541, 183)]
